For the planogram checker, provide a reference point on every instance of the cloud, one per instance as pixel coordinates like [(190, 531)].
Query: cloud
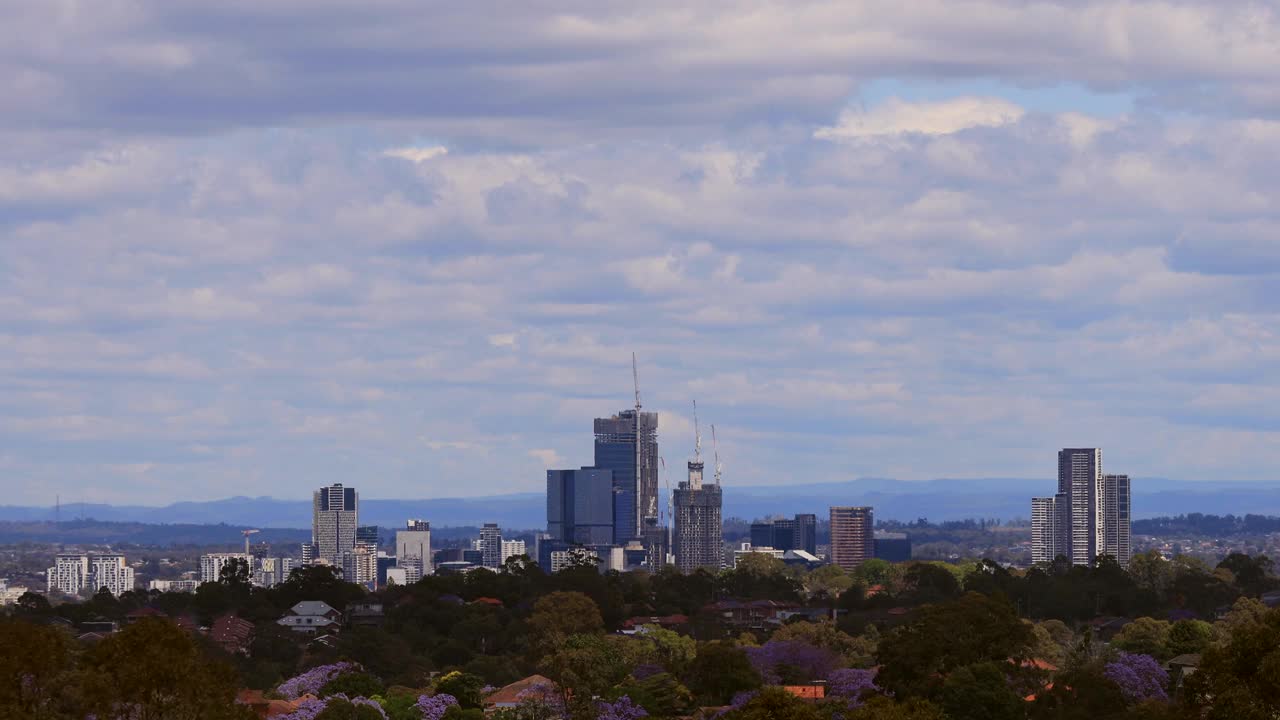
[(416, 154), (896, 117)]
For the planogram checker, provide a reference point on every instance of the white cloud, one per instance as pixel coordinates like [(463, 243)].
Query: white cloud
[(898, 117), (417, 154)]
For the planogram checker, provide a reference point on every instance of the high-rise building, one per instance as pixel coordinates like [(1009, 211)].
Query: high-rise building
[(627, 444), (69, 574), (308, 553), (852, 536), (360, 566), (1114, 513), (1079, 478), (1049, 523), (413, 549), (335, 511), (367, 535), (698, 532), (798, 533), (1089, 515), (211, 565), (111, 573), (512, 549), (491, 546), (580, 506)]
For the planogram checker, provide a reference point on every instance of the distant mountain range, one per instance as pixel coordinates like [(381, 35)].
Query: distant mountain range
[(944, 499)]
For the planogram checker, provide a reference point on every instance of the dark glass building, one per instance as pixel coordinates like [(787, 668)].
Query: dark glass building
[(798, 533), (627, 445), (581, 506)]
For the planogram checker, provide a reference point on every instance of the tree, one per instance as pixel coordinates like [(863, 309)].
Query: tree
[(464, 687), (875, 572), (774, 703), (152, 670), (32, 658), (882, 708), (981, 692), (928, 583), (1252, 574), (674, 651), (341, 709), (792, 662), (1146, 636), (1188, 636), (853, 651), (561, 614), (827, 581), (917, 657), (356, 684), (720, 671), (1241, 679), (1139, 677), (235, 572)]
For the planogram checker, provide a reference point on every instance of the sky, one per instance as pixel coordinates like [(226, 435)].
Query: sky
[(253, 248)]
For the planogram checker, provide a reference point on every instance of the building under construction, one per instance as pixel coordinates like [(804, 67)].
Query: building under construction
[(699, 539)]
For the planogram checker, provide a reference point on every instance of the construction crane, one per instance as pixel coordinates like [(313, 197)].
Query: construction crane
[(716, 447), (697, 435), (246, 534)]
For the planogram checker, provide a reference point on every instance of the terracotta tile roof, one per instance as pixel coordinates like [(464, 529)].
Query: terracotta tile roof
[(511, 695), (807, 692)]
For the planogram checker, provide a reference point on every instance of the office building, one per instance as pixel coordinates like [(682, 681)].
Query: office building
[(580, 506), (367, 535), (413, 549), (852, 536), (1088, 517), (698, 531), (627, 445), (335, 512), (892, 546), (308, 553), (69, 574), (1114, 516), (490, 546), (271, 571), (512, 549), (798, 533), (397, 576), (211, 565)]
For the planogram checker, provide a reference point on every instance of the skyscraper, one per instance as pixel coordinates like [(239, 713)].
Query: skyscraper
[(211, 565), (852, 536), (413, 549), (69, 574), (491, 545), (1048, 528), (580, 506), (1114, 513), (627, 444), (698, 528), (334, 519), (111, 573), (798, 533), (1079, 479), (1088, 517)]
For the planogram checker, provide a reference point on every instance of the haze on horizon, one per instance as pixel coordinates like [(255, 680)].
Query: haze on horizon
[(255, 248)]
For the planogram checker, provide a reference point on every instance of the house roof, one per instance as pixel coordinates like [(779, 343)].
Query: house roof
[(231, 630), (1187, 660), (807, 692), (511, 695), (312, 607)]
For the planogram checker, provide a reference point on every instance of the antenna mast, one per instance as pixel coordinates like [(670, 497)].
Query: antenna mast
[(635, 380), (716, 447), (697, 435)]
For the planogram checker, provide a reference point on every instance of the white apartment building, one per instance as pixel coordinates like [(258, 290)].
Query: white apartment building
[(211, 565), (9, 594), (111, 573), (512, 548), (69, 574), (173, 585), (360, 565)]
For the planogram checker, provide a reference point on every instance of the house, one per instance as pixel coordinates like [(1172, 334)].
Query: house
[(142, 614), (807, 692), (366, 614), (312, 616), (634, 625), (1182, 667), (511, 695), (752, 614), (232, 634), (264, 708)]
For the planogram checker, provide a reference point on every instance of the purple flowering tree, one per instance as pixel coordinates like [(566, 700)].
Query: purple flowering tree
[(307, 710), (310, 682), (851, 684), (1139, 677), (620, 709), (781, 661), (433, 707)]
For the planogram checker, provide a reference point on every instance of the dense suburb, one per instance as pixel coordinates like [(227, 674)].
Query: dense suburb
[(918, 641)]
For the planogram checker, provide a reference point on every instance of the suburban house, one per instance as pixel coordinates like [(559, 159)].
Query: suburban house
[(311, 617)]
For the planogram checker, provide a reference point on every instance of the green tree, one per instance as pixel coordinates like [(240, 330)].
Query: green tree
[(882, 708), (661, 695), (32, 660), (827, 581), (353, 684), (1241, 679), (774, 703), (339, 709), (560, 614), (720, 671), (1188, 636), (855, 651), (463, 686), (981, 692), (1144, 635), (917, 656), (152, 670), (875, 572), (674, 651)]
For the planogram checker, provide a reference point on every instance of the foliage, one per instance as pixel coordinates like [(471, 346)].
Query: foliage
[(353, 684), (464, 688), (621, 709), (311, 681), (856, 651), (1144, 636), (1139, 677), (774, 703), (854, 685), (433, 707), (32, 658), (152, 670), (791, 662), (1188, 636), (1241, 678), (720, 671), (981, 692), (561, 614)]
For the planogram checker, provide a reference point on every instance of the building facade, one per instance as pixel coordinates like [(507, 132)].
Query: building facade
[(852, 536), (627, 445), (1114, 514), (490, 546), (698, 531), (1079, 479), (69, 574), (111, 573), (798, 533), (580, 506), (335, 515), (413, 550), (1049, 528), (211, 565)]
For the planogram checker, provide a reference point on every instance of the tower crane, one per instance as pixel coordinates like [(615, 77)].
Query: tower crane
[(246, 534), (716, 447)]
